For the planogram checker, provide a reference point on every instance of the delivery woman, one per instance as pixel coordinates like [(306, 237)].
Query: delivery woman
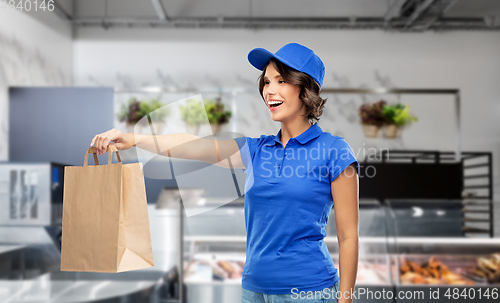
[(293, 180)]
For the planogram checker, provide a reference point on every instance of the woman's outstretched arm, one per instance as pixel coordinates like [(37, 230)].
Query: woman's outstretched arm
[(346, 206), (180, 145)]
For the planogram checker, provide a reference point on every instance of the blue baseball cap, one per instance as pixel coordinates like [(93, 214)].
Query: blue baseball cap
[(295, 56)]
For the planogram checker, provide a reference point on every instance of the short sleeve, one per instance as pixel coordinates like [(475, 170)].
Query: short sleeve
[(247, 148), (341, 156)]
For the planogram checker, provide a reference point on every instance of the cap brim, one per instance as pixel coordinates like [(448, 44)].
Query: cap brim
[(258, 57)]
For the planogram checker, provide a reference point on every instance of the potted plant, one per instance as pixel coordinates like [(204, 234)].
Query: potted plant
[(217, 115), (130, 113), (372, 117), (134, 111), (158, 113), (193, 115), (396, 116)]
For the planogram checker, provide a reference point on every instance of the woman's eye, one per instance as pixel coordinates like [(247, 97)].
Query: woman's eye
[(266, 82), (282, 81)]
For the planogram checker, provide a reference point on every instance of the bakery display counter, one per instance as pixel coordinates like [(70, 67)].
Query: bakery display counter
[(391, 267), (213, 272), (448, 261), (373, 268), (215, 246), (433, 259), (450, 269)]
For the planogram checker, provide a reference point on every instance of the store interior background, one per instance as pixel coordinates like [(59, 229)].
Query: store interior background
[(41, 49)]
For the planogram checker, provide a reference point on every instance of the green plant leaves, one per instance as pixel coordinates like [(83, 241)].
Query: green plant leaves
[(372, 114), (398, 114), (192, 113), (135, 110), (216, 113), (381, 113)]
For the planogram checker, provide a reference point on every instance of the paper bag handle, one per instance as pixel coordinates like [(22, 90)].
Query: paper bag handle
[(93, 150)]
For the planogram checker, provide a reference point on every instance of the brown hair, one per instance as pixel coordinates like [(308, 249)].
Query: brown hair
[(309, 92)]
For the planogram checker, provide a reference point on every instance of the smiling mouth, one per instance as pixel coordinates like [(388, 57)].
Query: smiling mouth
[(275, 104)]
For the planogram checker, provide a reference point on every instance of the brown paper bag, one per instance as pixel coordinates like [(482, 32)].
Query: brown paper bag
[(105, 224)]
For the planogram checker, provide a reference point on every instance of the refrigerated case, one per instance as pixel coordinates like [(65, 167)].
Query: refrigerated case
[(215, 243), (432, 255), (395, 238)]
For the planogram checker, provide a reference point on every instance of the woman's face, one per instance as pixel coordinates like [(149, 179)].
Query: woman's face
[(277, 90)]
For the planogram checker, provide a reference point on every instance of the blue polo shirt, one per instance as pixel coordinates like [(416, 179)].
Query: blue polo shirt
[(288, 200)]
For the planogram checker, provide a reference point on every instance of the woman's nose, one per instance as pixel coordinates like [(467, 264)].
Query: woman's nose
[(269, 91)]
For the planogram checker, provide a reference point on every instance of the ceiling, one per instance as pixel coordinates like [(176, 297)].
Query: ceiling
[(389, 15)]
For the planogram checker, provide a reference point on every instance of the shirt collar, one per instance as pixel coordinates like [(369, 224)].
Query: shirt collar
[(312, 132)]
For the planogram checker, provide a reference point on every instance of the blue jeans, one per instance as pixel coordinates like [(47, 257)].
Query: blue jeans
[(327, 295)]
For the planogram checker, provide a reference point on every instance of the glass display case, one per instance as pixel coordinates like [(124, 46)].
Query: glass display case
[(432, 257), (410, 250), (215, 245)]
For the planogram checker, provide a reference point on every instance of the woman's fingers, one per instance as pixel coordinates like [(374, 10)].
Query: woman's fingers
[(99, 144), (108, 138), (101, 141)]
